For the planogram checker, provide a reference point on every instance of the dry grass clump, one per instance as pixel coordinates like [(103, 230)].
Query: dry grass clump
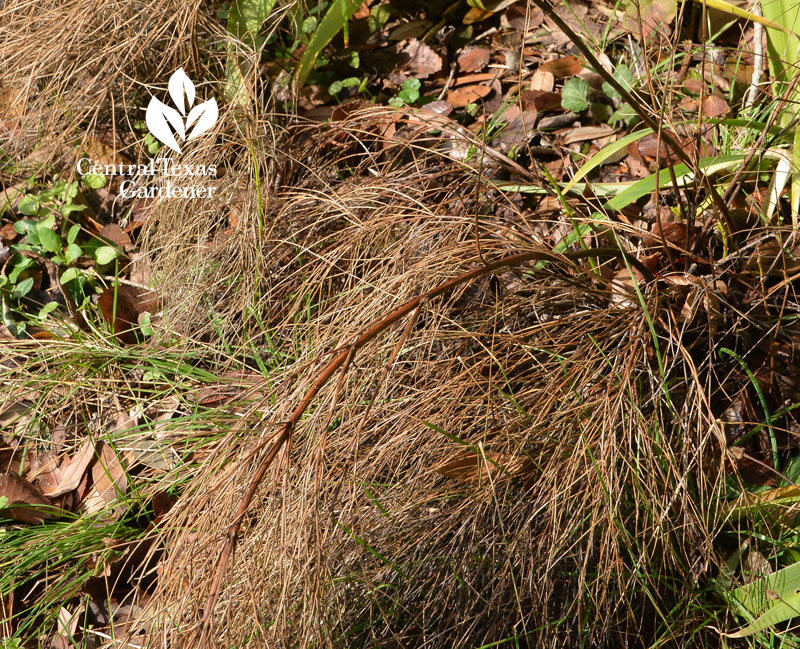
[(536, 454), (505, 463)]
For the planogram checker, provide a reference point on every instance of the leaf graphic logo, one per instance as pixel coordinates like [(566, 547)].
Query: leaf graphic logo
[(160, 117)]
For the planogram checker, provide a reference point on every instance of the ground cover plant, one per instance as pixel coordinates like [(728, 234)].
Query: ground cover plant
[(486, 337)]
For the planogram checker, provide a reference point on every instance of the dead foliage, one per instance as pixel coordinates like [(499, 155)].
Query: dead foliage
[(428, 427)]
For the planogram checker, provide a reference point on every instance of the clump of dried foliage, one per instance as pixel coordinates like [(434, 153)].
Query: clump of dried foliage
[(537, 455)]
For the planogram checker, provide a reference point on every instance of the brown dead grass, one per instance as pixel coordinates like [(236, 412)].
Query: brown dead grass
[(517, 471)]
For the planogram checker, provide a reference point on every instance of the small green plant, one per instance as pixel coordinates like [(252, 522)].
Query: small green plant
[(150, 142), (51, 246), (408, 95), (350, 82), (576, 96)]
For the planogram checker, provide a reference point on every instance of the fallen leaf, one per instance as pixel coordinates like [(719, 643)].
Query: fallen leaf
[(543, 101), (567, 66), (714, 106), (20, 495), (14, 420), (473, 59), (412, 29), (650, 17), (543, 81), (469, 79), (460, 97), (108, 476), (69, 474), (522, 17), (123, 314), (415, 60), (439, 107), (115, 234), (474, 466), (584, 133), (476, 14), (693, 85)]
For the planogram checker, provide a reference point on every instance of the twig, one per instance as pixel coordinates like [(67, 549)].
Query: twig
[(758, 57), (346, 354)]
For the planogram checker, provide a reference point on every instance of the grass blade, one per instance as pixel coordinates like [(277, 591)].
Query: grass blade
[(337, 16)]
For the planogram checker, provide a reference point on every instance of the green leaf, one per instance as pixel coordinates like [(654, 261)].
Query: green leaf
[(19, 265), (246, 17), (68, 275), (23, 288), (663, 179), (410, 91), (51, 242), (336, 18), (25, 226), (622, 75), (28, 206), (604, 154), (624, 113), (72, 253), (145, 325), (73, 233), (770, 600), (244, 21), (105, 255), (575, 95), (46, 309), (309, 25), (378, 17), (94, 181), (66, 210)]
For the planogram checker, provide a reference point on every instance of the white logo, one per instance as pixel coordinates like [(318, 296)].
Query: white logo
[(160, 117)]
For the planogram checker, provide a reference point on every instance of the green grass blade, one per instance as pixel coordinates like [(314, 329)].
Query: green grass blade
[(728, 8), (663, 178), (604, 154), (336, 18), (771, 600)]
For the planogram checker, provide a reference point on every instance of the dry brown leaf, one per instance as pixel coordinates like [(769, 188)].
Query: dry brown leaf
[(69, 475), (522, 17), (693, 85), (474, 466), (543, 81), (475, 15), (122, 305), (584, 133), (714, 106), (439, 107), (115, 234), (415, 59), (14, 420), (473, 59), (44, 469), (412, 29), (20, 494), (108, 475), (566, 66), (460, 97), (623, 294), (545, 100), (469, 79), (103, 154), (649, 17)]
